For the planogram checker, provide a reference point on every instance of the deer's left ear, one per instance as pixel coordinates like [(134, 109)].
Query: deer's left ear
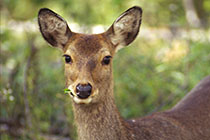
[(125, 29)]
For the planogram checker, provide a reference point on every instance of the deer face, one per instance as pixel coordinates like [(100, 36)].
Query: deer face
[(88, 67), (88, 58)]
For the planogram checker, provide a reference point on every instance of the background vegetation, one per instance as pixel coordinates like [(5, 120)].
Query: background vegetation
[(170, 56)]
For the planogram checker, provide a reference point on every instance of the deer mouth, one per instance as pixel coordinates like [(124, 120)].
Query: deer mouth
[(80, 100)]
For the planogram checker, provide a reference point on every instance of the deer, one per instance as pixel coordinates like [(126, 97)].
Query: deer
[(88, 73)]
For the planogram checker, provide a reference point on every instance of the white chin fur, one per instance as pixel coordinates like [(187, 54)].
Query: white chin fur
[(82, 101)]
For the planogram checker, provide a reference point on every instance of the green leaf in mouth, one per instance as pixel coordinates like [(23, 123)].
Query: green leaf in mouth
[(67, 91)]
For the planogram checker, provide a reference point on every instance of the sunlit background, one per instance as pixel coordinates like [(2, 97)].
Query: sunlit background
[(169, 57)]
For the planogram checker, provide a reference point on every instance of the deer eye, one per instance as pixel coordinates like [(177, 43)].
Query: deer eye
[(67, 58), (106, 60)]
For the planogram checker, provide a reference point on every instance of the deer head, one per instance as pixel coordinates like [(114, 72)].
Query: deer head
[(88, 58)]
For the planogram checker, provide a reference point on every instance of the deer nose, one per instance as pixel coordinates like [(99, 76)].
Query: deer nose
[(83, 90)]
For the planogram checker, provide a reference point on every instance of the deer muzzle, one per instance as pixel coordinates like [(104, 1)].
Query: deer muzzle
[(83, 91)]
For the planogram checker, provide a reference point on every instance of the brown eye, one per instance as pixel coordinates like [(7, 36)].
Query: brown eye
[(106, 60), (67, 58)]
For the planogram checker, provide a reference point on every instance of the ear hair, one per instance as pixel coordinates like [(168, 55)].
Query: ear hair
[(54, 28), (125, 28)]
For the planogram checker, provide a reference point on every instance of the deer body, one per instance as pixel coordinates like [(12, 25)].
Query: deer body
[(188, 120), (88, 71)]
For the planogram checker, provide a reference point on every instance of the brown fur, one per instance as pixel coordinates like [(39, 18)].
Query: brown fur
[(99, 119)]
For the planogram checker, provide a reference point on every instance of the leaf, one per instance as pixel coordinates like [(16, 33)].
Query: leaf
[(66, 91)]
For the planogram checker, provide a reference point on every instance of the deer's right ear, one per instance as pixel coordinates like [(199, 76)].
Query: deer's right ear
[(54, 28)]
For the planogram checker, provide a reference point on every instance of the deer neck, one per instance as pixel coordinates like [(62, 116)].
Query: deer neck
[(99, 121)]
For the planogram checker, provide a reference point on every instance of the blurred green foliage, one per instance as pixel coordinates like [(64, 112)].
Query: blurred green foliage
[(152, 74)]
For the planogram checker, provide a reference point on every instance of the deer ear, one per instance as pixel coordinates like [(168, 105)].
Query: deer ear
[(54, 28), (125, 29)]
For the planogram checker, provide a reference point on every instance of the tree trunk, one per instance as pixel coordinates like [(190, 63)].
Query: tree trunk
[(191, 14)]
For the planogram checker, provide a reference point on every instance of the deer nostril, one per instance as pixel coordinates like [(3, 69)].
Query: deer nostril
[(83, 91)]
